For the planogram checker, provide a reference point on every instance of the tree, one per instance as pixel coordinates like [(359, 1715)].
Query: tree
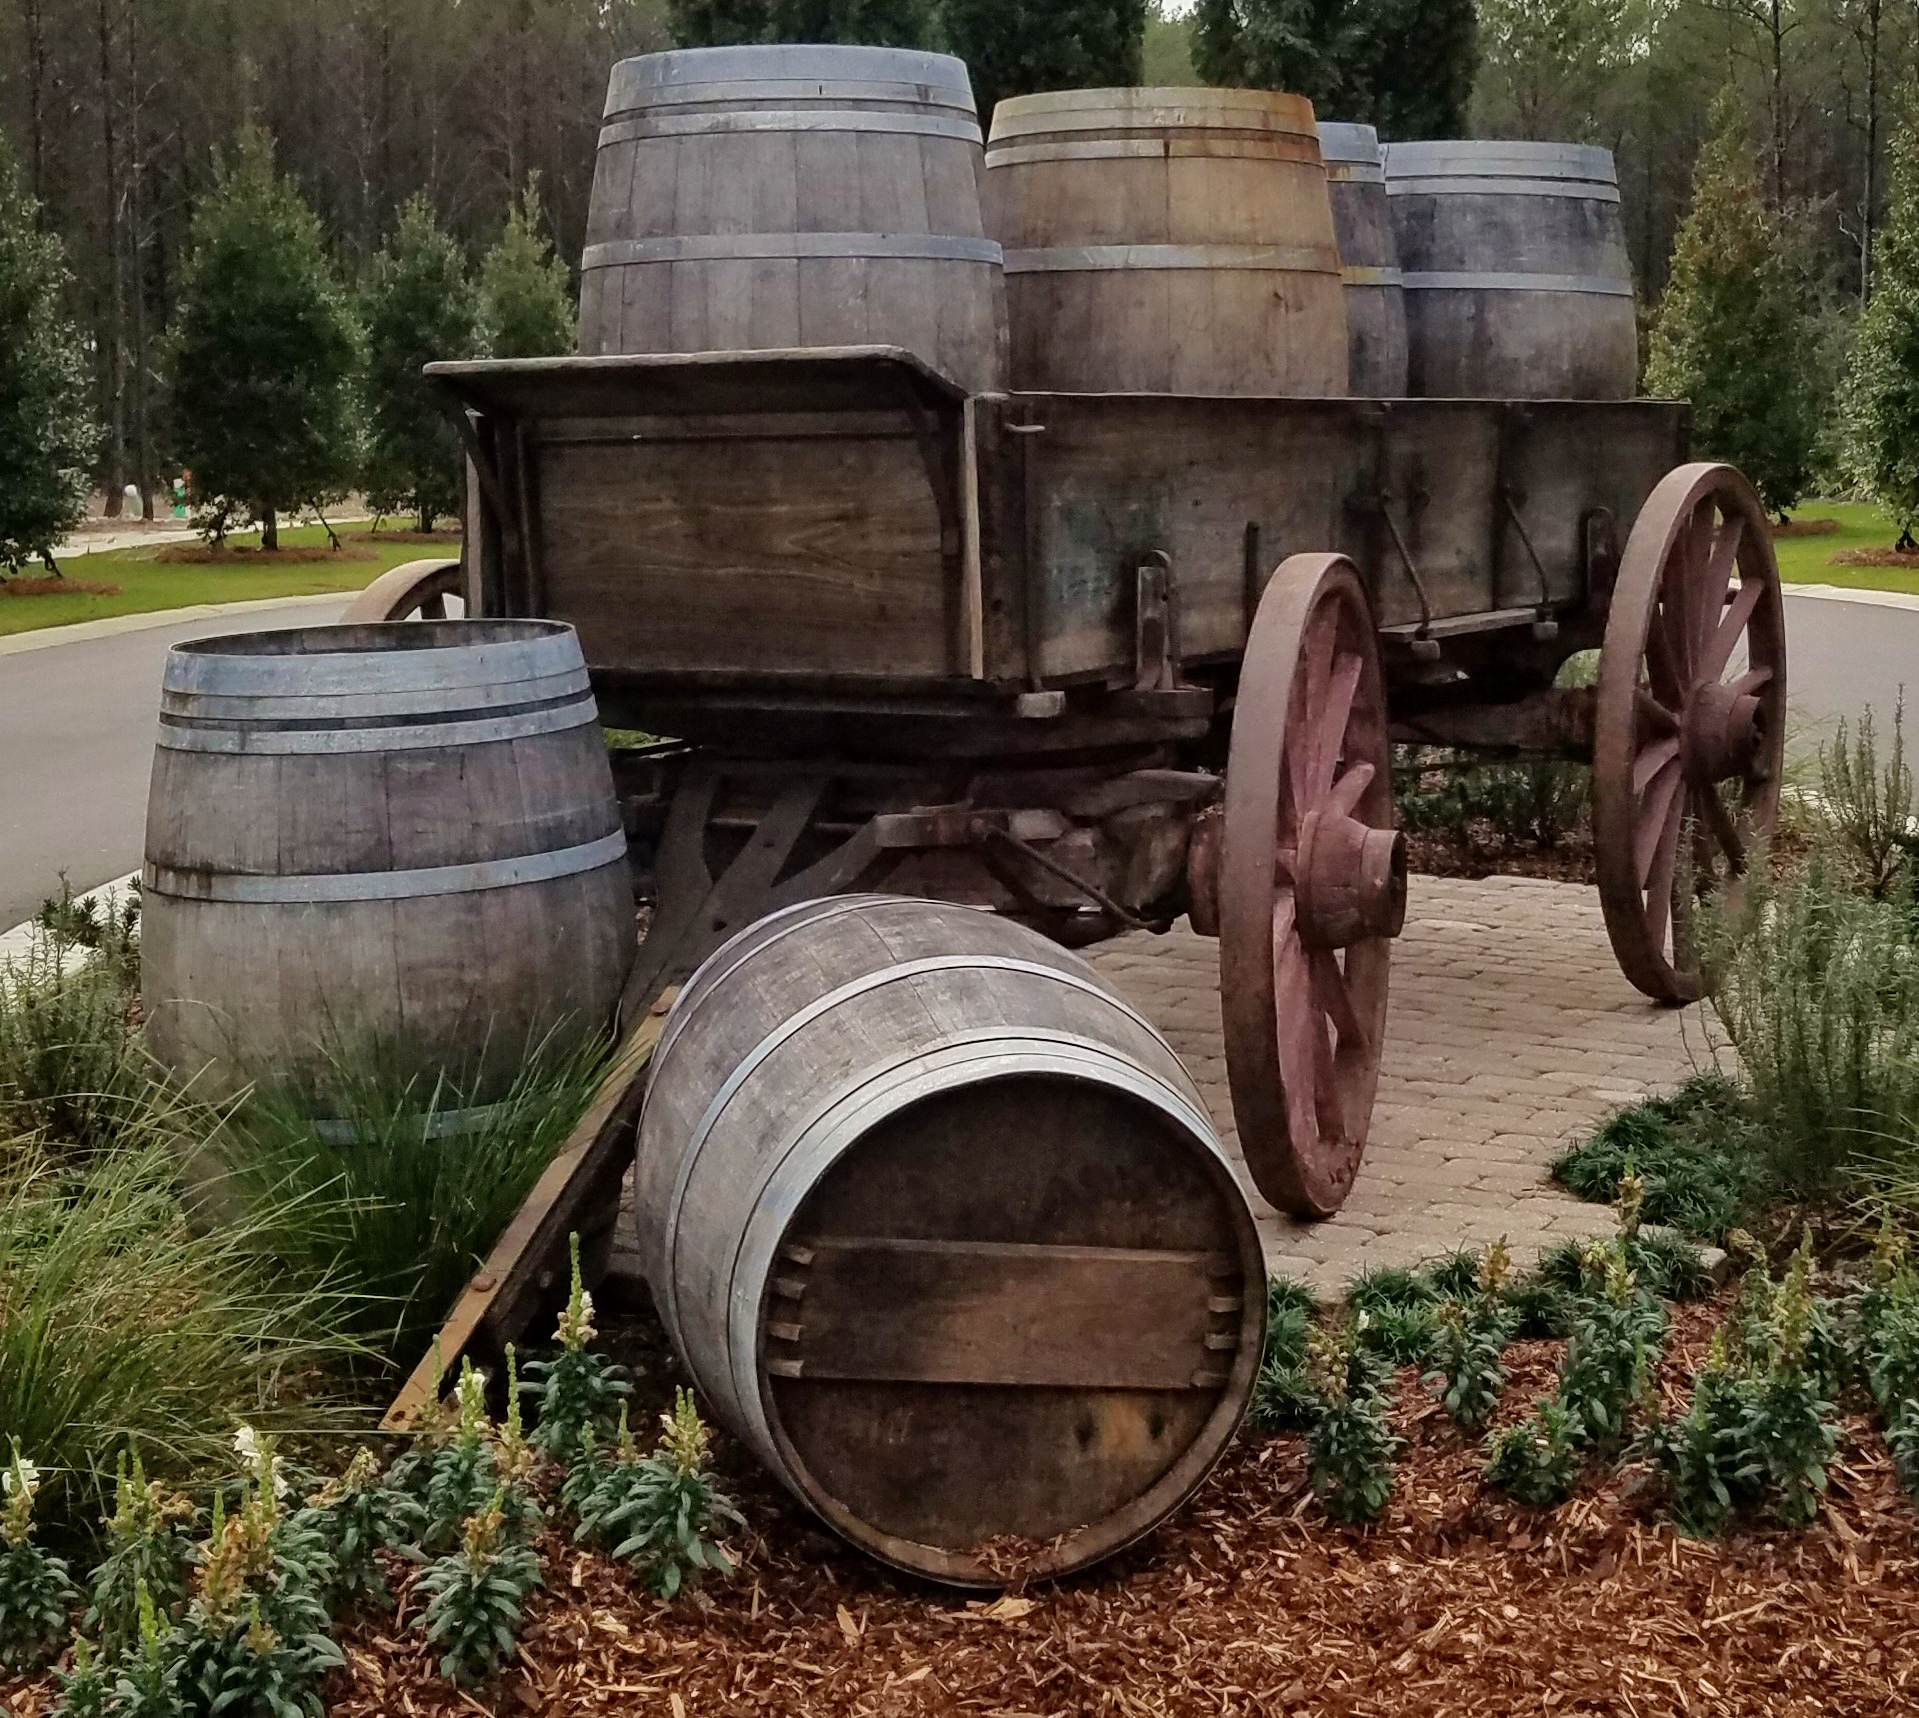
[(1405, 66), (726, 23), (47, 436), (526, 310), (1882, 387), (1732, 334), (264, 352), (1012, 47), (418, 305)]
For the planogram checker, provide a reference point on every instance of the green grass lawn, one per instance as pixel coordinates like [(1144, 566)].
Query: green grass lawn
[(148, 583), (1808, 560)]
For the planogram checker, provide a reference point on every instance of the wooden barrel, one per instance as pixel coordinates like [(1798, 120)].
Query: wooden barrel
[(1514, 264), (941, 1229), (1375, 303), (395, 841), (760, 198), (1166, 241)]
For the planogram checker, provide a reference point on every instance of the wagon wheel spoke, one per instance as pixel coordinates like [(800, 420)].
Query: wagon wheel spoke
[(1697, 583), (1310, 867)]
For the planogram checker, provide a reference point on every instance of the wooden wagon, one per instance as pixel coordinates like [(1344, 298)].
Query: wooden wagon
[(1096, 661)]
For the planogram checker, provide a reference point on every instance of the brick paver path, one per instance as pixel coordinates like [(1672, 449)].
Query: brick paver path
[(1510, 1032)]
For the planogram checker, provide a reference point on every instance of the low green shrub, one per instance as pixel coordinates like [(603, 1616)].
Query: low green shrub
[(1536, 1460), (1349, 1447), (1617, 1331), (121, 1324), (1867, 806), (1531, 802), (1470, 1335), (476, 1596), (386, 1197)]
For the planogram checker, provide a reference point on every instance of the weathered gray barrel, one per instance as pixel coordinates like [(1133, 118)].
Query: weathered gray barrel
[(761, 198), (399, 841), (1166, 241), (942, 1231), (1514, 262), (1375, 303)]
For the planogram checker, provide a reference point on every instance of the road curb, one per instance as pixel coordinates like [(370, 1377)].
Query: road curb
[(1845, 593), (81, 630)]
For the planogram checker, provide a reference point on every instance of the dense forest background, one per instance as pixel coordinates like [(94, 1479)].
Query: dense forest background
[(117, 111)]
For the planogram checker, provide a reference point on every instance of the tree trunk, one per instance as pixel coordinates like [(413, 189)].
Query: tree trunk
[(269, 529), (36, 100), (1873, 15), (136, 241), (113, 463)]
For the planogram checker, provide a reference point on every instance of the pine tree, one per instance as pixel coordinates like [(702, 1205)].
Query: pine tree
[(726, 23), (1012, 47), (526, 308), (1405, 66), (1882, 385), (418, 305), (47, 435), (1731, 333), (264, 352)]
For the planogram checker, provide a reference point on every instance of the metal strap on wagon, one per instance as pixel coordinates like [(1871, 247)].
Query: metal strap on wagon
[(764, 247), (387, 885), (789, 120), (1362, 274), (1446, 280)]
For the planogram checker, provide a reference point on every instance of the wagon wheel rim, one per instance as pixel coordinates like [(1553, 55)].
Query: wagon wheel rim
[(414, 590), (1312, 885), (1689, 733)]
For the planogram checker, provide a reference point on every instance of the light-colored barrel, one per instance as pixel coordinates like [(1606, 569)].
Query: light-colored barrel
[(941, 1229), (1514, 263), (399, 842), (760, 198), (1363, 227), (1167, 241)]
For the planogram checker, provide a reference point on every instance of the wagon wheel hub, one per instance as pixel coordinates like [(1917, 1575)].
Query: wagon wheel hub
[(1689, 720), (1349, 880)]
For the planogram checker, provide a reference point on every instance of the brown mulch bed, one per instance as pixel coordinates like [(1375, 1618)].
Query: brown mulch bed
[(1478, 851), (207, 555), (52, 587), (1249, 1601), (1874, 558), (410, 536), (1804, 527)]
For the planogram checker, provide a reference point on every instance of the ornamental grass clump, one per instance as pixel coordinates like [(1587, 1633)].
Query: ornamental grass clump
[(477, 1595), (150, 1550), (662, 1513), (35, 1591), (577, 1388), (1283, 1398), (1350, 1448), (1470, 1335)]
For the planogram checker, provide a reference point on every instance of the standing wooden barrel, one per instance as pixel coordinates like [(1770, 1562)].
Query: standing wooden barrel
[(398, 841), (760, 198), (1514, 262), (941, 1229), (1375, 303), (1166, 241)]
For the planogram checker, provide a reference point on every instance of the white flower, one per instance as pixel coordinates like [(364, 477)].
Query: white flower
[(246, 1443), (21, 1476)]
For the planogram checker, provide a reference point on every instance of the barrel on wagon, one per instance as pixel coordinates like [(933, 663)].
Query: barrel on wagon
[(1368, 261)]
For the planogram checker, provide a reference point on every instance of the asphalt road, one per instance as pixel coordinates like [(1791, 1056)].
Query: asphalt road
[(76, 743), (77, 723)]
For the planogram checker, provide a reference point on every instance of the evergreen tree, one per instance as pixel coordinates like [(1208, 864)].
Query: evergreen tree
[(1405, 66), (47, 435), (725, 23), (418, 306), (1731, 333), (1012, 47), (1882, 386), (526, 307), (264, 352)]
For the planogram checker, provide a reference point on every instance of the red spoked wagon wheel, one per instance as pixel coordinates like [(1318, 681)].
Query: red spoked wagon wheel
[(1312, 885), (1690, 726), (412, 590)]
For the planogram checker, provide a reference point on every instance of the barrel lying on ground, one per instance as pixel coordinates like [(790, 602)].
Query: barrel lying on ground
[(398, 841), (941, 1229), (1368, 264), (1516, 276), (1166, 241), (761, 198)]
